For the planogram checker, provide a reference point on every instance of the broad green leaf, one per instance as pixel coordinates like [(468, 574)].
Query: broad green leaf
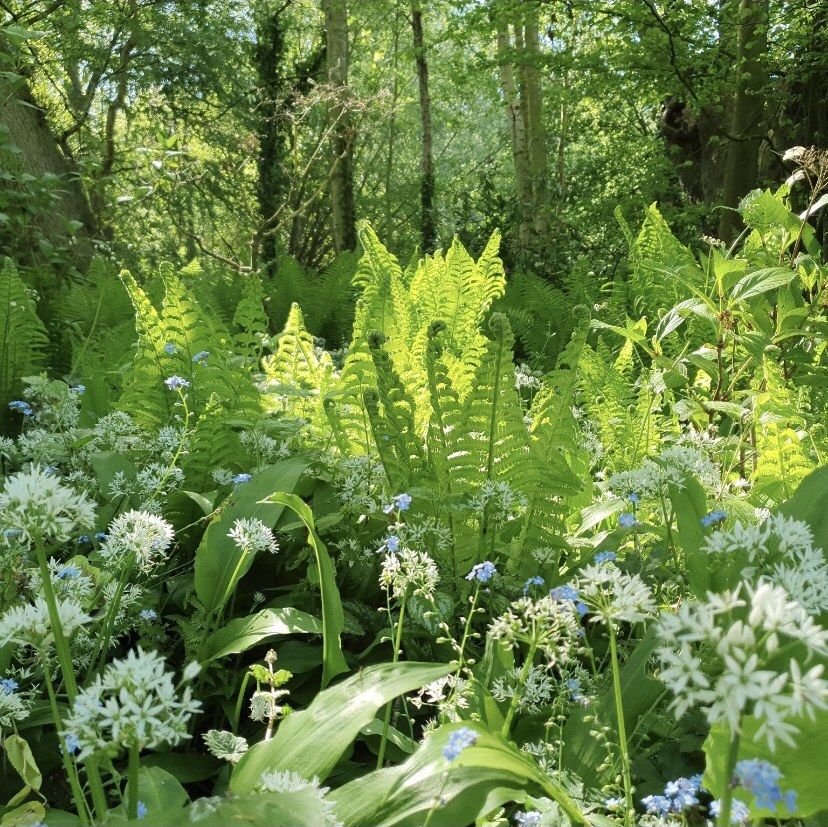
[(761, 281), (484, 776), (810, 504), (219, 564), (802, 765), (20, 757), (242, 633), (598, 512), (333, 619), (161, 793), (690, 505), (184, 767), (29, 814), (310, 742)]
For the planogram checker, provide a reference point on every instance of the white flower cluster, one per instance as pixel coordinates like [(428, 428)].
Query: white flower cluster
[(29, 625), (406, 570), (252, 536), (781, 551), (137, 538), (550, 625), (448, 694), (134, 703), (306, 793), (724, 655), (537, 692), (498, 500), (671, 467), (610, 594), (34, 504)]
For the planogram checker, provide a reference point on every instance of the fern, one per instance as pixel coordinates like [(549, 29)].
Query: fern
[(24, 340)]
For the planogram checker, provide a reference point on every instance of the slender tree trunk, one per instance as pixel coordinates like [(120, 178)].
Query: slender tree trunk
[(535, 131), (748, 112), (516, 126), (392, 125), (428, 223), (343, 212), (273, 134)]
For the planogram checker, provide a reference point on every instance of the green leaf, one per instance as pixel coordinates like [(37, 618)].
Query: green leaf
[(810, 504), (20, 757), (310, 742), (161, 793), (484, 776), (242, 633), (333, 618), (761, 281), (218, 562), (187, 768), (690, 505), (802, 766)]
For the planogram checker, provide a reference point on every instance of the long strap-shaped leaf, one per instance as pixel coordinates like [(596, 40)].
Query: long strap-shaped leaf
[(310, 742), (333, 661)]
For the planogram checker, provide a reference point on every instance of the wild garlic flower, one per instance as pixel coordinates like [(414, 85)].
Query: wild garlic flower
[(36, 504), (724, 656), (449, 694), (309, 796), (252, 536), (14, 705), (225, 745), (611, 595), (29, 624), (133, 704), (68, 580), (498, 500), (671, 467), (537, 692), (137, 538), (406, 570), (780, 551), (551, 626)]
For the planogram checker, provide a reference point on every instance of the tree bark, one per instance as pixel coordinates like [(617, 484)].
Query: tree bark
[(428, 223), (747, 121), (517, 132), (535, 131), (343, 212)]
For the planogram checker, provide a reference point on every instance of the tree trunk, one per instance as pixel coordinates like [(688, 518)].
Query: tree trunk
[(535, 131), (428, 224), (747, 121), (38, 154), (517, 131), (343, 213)]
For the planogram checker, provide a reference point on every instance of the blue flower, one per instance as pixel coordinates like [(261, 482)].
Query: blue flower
[(72, 743), (142, 809), (78, 389), (201, 357), (175, 383), (392, 543), (10, 533), (762, 779), (614, 803), (148, 614), (571, 594), (627, 520), (50, 470), (604, 557), (657, 805), (24, 407), (537, 580), (575, 693), (170, 348), (401, 502), (68, 572), (714, 517), (101, 536), (739, 812), (482, 572), (84, 540), (8, 686), (459, 740), (684, 793), (241, 478), (633, 497)]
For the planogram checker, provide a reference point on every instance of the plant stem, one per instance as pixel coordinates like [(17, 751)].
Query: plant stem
[(68, 765), (109, 623), (387, 719), (629, 810), (134, 765), (524, 674), (726, 803)]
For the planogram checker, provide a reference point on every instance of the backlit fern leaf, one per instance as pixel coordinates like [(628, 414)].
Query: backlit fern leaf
[(23, 339)]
